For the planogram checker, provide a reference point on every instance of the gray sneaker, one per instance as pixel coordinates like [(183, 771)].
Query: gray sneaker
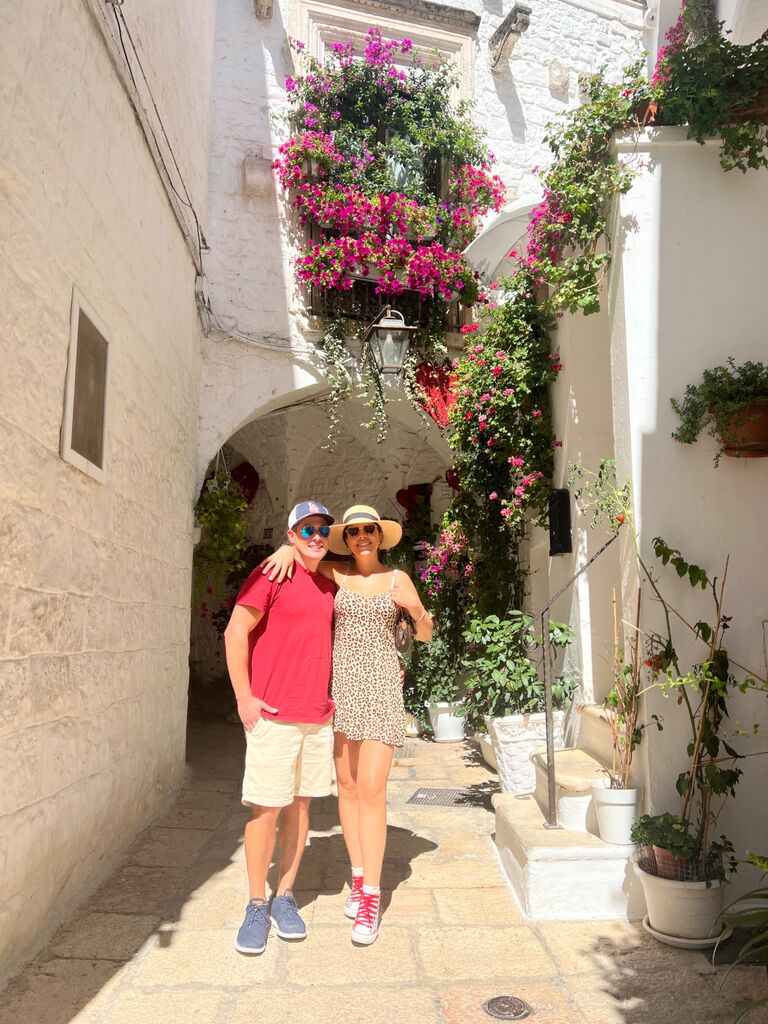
[(285, 917), (252, 937)]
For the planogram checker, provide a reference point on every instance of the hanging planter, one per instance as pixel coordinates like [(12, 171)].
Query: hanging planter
[(731, 405), (745, 433)]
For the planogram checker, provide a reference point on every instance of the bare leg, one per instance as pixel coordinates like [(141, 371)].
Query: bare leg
[(259, 847), (345, 756), (294, 825), (374, 762)]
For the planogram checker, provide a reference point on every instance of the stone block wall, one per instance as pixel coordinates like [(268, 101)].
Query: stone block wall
[(95, 578)]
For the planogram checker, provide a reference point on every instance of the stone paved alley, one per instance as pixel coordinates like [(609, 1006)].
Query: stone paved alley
[(154, 944)]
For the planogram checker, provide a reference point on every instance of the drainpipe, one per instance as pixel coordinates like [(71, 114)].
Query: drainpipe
[(551, 821)]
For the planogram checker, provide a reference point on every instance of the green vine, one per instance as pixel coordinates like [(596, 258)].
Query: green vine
[(220, 512), (334, 350)]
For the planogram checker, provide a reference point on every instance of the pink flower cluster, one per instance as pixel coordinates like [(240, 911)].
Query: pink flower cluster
[(546, 229), (478, 189), (520, 489), (436, 271), (675, 38), (290, 164), (345, 208), (429, 269), (378, 53), (443, 567)]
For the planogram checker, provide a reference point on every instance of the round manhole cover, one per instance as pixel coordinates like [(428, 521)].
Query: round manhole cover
[(507, 1008)]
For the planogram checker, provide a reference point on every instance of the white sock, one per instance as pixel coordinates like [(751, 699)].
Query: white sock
[(357, 872), (372, 890)]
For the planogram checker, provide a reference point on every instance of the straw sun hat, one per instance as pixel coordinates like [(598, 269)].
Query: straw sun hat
[(360, 515)]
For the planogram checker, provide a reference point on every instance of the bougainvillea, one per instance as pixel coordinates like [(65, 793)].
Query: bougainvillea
[(446, 561)]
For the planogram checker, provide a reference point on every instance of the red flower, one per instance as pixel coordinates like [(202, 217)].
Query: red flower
[(469, 328)]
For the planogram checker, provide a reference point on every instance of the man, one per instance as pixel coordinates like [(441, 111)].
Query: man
[(278, 644)]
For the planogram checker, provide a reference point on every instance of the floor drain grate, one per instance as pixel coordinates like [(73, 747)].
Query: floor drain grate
[(425, 797), (507, 1008)]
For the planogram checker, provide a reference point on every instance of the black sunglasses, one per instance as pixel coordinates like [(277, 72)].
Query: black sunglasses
[(310, 531), (352, 531)]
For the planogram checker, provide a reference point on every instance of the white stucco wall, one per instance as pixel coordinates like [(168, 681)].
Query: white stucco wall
[(688, 290), (94, 583)]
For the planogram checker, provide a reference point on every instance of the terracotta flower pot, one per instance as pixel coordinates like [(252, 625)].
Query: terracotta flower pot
[(745, 433), (677, 869), (647, 860)]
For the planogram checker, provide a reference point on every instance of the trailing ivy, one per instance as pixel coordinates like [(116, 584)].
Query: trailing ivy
[(334, 350)]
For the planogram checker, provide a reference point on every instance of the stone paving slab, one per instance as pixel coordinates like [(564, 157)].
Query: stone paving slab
[(154, 944)]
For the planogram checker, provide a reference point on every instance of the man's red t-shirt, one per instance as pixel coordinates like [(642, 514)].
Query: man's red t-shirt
[(290, 648)]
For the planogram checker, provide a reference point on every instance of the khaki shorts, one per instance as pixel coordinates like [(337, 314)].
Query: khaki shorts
[(286, 759)]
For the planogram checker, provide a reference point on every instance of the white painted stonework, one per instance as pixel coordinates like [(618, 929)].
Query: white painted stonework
[(514, 739), (687, 290)]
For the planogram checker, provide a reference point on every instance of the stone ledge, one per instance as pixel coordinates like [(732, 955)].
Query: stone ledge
[(575, 769), (523, 819), (558, 874)]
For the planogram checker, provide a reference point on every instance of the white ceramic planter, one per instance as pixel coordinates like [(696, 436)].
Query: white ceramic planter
[(616, 810), (682, 910), (412, 727), (514, 739), (447, 725)]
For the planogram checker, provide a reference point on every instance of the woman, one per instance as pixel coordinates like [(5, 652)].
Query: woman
[(369, 721)]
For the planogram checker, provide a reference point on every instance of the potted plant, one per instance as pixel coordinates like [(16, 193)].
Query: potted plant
[(715, 86), (446, 710), (616, 801), (666, 844), (730, 404), (682, 912), (505, 695), (683, 891)]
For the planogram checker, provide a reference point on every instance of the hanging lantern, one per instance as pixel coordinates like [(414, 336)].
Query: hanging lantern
[(387, 340)]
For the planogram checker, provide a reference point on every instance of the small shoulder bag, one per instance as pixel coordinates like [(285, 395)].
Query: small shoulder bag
[(404, 627)]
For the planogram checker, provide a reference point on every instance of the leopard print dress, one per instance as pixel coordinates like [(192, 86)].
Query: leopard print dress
[(366, 673)]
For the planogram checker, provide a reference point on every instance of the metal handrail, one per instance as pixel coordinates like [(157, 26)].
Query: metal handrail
[(551, 821)]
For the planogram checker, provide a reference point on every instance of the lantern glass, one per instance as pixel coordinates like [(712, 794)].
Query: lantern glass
[(389, 343)]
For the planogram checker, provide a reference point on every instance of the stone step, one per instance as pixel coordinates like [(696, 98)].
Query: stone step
[(575, 770), (561, 874)]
